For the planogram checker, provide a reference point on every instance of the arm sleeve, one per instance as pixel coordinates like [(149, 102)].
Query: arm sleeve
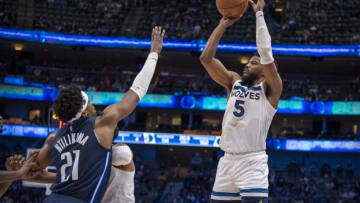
[(143, 79)]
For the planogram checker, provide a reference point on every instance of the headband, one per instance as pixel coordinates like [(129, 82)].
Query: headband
[(85, 101)]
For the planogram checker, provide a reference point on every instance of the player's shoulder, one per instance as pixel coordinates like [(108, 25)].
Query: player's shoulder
[(51, 137)]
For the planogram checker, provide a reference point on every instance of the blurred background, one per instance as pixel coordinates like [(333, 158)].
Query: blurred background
[(314, 140)]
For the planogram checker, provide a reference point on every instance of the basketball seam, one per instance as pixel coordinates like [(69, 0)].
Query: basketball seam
[(233, 6)]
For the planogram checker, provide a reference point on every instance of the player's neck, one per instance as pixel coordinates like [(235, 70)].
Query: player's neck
[(256, 82)]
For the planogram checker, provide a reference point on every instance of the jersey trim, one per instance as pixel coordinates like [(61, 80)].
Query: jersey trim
[(267, 100), (254, 190), (101, 178), (225, 194)]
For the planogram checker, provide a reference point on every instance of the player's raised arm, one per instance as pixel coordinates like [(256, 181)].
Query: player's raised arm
[(263, 41), (106, 123), (213, 66)]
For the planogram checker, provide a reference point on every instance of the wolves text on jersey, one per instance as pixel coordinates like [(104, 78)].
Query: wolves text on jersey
[(241, 92)]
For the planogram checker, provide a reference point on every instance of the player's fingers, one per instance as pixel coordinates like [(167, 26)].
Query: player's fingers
[(160, 33), (157, 32), (9, 159), (252, 3), (163, 33), (17, 158), (153, 34)]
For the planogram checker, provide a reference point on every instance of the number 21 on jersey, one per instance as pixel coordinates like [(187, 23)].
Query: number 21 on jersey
[(69, 162), (239, 108)]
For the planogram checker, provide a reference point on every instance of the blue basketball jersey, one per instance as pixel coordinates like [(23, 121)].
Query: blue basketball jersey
[(83, 165)]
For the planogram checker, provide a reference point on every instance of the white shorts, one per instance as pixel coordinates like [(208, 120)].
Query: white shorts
[(120, 187), (241, 175)]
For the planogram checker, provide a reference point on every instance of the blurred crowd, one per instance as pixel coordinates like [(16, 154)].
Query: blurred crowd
[(293, 22), (92, 17), (119, 79), (291, 184)]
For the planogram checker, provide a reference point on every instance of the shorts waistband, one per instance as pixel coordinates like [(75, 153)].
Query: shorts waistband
[(244, 155)]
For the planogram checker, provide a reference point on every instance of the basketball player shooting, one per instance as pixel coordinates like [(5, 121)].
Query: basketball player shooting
[(81, 149), (242, 174)]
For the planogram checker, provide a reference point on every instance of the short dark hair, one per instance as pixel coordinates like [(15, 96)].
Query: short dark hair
[(68, 103)]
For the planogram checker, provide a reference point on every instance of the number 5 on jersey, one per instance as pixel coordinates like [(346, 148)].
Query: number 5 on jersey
[(69, 163), (239, 109)]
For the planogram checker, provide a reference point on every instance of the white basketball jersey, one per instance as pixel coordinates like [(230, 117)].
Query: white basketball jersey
[(246, 120), (120, 187)]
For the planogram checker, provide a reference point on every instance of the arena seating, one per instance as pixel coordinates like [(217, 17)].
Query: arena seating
[(302, 22)]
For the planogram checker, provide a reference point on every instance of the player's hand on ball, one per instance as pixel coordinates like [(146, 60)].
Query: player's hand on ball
[(29, 169), (14, 163), (259, 6), (157, 37), (228, 21)]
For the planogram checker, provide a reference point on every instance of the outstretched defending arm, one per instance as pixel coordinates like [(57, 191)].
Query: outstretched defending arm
[(44, 177), (213, 66), (24, 172), (106, 123), (273, 82), (12, 163)]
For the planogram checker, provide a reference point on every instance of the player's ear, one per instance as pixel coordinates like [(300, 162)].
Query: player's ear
[(86, 112)]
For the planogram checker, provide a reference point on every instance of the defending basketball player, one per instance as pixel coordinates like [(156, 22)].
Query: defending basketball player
[(242, 174), (120, 187), (81, 149)]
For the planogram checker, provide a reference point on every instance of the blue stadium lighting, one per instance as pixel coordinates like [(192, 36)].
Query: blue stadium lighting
[(314, 50), (195, 45), (18, 34), (198, 102), (195, 140)]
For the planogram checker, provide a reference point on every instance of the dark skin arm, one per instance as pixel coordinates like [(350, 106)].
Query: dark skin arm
[(273, 82), (12, 163), (44, 177), (129, 168), (106, 123), (213, 66), (23, 172), (44, 158)]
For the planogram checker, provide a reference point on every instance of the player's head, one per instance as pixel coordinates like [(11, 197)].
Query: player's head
[(72, 103), (252, 70)]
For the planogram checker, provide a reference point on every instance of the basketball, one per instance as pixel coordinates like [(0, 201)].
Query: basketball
[(232, 8)]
